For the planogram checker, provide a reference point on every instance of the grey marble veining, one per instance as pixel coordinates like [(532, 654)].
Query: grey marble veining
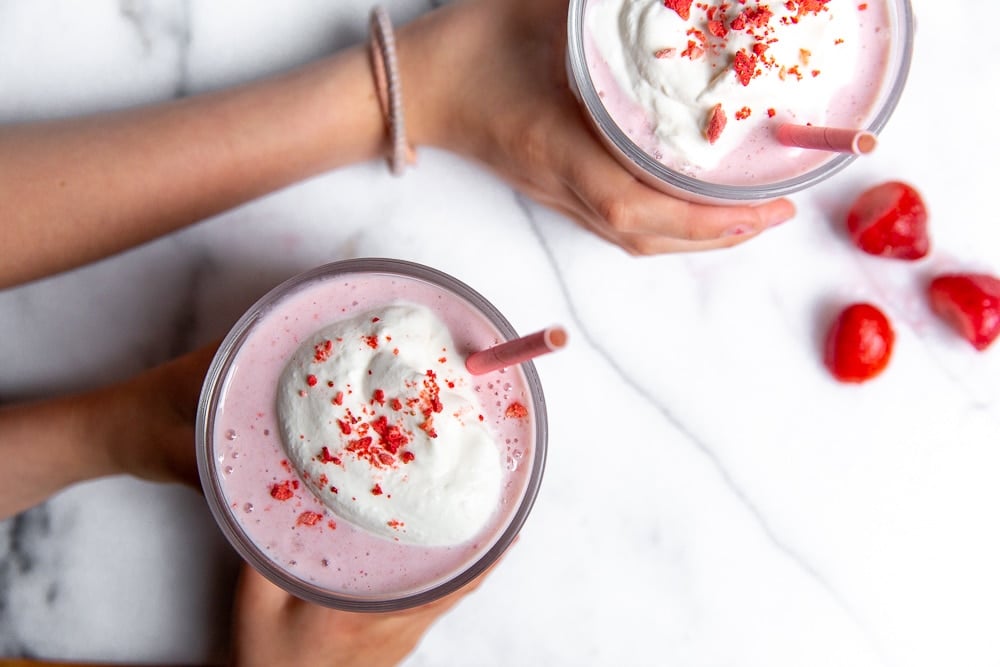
[(159, 24), (22, 538), (676, 423)]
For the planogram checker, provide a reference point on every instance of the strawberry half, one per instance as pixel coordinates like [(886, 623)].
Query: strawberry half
[(970, 302), (890, 220), (859, 343)]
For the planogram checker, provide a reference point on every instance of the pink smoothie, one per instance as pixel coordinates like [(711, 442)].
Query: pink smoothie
[(298, 533), (759, 158)]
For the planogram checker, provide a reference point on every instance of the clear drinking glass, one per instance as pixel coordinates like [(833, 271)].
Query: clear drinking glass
[(655, 173), (224, 454)]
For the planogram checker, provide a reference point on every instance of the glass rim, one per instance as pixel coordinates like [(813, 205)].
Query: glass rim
[(901, 58), (208, 404)]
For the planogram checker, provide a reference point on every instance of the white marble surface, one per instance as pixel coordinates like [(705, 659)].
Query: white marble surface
[(712, 496)]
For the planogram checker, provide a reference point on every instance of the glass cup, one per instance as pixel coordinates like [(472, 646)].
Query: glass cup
[(657, 172), (328, 560)]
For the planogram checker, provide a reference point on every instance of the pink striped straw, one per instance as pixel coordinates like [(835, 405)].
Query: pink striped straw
[(517, 350), (839, 140)]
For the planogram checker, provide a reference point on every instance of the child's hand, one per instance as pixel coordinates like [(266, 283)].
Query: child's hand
[(272, 627), (143, 426), (487, 79), (151, 420)]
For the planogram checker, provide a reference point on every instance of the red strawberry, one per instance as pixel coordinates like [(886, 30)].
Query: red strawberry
[(890, 220), (859, 343), (970, 302)]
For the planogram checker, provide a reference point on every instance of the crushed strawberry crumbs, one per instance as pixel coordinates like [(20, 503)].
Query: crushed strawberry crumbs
[(715, 123), (516, 411), (309, 518), (712, 25), (284, 490), (378, 439)]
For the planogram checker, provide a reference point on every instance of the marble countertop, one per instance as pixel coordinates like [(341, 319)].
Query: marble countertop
[(712, 496)]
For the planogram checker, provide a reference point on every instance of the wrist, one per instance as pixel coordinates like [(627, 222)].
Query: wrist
[(53, 444), (110, 413), (427, 73)]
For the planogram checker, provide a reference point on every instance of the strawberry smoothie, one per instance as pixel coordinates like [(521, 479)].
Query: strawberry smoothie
[(349, 455), (693, 92)]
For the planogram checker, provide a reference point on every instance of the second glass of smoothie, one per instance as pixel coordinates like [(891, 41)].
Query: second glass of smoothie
[(690, 96), (346, 452)]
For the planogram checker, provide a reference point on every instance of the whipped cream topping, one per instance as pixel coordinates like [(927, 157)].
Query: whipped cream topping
[(380, 420), (755, 62)]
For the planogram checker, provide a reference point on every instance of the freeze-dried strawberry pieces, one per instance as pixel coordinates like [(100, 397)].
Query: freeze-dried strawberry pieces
[(715, 123), (745, 66), (682, 7)]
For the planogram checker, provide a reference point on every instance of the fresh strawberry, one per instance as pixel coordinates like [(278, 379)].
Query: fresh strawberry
[(859, 343), (890, 220), (970, 302)]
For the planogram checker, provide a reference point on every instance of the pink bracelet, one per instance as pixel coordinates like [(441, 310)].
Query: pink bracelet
[(390, 95)]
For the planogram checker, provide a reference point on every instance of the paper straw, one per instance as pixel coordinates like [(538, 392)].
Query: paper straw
[(515, 351), (839, 140)]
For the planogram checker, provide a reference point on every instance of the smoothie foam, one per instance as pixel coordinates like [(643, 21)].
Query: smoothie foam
[(332, 553)]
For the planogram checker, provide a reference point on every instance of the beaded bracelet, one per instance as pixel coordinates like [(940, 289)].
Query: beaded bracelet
[(390, 95)]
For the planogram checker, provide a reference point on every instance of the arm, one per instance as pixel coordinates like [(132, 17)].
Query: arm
[(47, 441), (484, 79), (498, 87), (90, 187), (79, 189), (142, 427)]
